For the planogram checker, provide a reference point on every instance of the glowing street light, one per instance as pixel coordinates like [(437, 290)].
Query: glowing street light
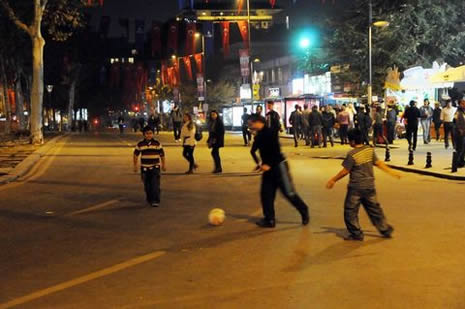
[(304, 43)]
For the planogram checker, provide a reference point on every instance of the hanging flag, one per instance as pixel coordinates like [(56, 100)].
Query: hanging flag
[(164, 73), (173, 38), (140, 35), (244, 29), (124, 23), (104, 26), (198, 62), (188, 66), (170, 75), (272, 2), (209, 39), (225, 32), (200, 87), (177, 72), (240, 4), (156, 39), (190, 39)]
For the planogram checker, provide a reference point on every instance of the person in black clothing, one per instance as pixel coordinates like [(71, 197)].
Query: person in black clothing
[(459, 121), (141, 123), (328, 123), (275, 173), (177, 118), (316, 124), (245, 128), (437, 120), (412, 114), (120, 124), (216, 139), (273, 120), (391, 120), (296, 121), (152, 159)]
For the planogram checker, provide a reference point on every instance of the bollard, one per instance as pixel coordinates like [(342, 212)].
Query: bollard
[(454, 162), (387, 156), (410, 157), (429, 160)]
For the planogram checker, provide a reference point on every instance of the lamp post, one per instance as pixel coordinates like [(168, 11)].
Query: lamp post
[(379, 24), (49, 91)]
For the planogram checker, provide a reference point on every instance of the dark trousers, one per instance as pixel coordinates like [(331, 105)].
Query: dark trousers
[(151, 179), (448, 130), (368, 199), (412, 135), (460, 149), (278, 177), (365, 138), (391, 131), (328, 134), (437, 128), (217, 158), (246, 135), (297, 132), (378, 132), (177, 130), (343, 133), (188, 154), (121, 129)]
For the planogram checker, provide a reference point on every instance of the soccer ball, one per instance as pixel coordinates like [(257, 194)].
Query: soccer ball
[(216, 216)]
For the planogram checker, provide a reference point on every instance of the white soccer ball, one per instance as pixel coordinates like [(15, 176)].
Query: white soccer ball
[(216, 216)]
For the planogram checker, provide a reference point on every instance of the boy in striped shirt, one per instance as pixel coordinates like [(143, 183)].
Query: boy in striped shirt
[(152, 159), (361, 190)]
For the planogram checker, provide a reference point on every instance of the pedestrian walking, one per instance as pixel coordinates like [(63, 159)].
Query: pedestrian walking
[(245, 127), (359, 164), (426, 116), (296, 122), (177, 119), (120, 124), (141, 122), (152, 160), (305, 125), (437, 120), (391, 121), (316, 125), (188, 142), (215, 139), (328, 124), (276, 173), (411, 115), (273, 120), (343, 118), (447, 117), (459, 120), (378, 128)]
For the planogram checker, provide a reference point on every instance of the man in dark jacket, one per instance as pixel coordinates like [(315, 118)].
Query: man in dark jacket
[(245, 127), (411, 115), (216, 139), (275, 173), (273, 120), (328, 123), (296, 121), (437, 120), (176, 118), (391, 120), (316, 124), (459, 120)]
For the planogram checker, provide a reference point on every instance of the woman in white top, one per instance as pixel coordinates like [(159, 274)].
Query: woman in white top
[(188, 142)]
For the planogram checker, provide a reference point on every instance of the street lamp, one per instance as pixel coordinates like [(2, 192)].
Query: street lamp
[(304, 43), (379, 24), (49, 91)]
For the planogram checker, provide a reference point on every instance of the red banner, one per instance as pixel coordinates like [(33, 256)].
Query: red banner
[(198, 62), (188, 66), (225, 32), (272, 2), (244, 29), (164, 73), (156, 39), (173, 37), (177, 72), (172, 80), (190, 39), (240, 4)]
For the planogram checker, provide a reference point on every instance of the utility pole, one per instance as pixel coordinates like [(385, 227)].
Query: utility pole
[(370, 64)]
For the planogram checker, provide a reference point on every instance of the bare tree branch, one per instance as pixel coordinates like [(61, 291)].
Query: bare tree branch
[(11, 14), (44, 4)]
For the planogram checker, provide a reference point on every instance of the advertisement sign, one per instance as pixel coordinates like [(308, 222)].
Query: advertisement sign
[(274, 92), (200, 87), (245, 92), (244, 60), (256, 92)]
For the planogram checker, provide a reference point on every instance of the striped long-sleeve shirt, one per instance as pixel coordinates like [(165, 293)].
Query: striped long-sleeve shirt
[(151, 152)]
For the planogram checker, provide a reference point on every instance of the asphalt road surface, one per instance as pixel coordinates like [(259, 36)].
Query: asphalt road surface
[(76, 233)]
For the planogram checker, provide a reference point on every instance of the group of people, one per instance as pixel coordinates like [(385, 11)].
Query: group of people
[(138, 124)]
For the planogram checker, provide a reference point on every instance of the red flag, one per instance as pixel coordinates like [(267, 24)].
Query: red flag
[(173, 37), (164, 73), (198, 62), (244, 29), (156, 39), (170, 74), (225, 31), (190, 38), (272, 2), (240, 4), (188, 66), (177, 72)]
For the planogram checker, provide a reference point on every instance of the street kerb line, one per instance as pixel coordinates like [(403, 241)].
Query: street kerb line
[(92, 208), (80, 280)]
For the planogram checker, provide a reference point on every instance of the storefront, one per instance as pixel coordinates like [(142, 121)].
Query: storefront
[(291, 102), (232, 114)]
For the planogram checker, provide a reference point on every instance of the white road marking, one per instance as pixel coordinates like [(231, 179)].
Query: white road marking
[(80, 280), (92, 208)]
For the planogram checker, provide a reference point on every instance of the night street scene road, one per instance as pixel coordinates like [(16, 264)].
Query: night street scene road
[(232, 154)]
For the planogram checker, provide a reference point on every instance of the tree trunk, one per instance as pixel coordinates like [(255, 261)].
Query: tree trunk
[(6, 100), (20, 101), (37, 90)]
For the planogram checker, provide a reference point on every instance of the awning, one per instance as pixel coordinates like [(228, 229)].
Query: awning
[(453, 75)]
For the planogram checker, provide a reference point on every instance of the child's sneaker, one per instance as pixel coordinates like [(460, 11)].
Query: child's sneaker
[(155, 204), (354, 237), (388, 233)]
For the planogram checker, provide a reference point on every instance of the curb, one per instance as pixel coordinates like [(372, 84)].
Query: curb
[(426, 172), (27, 164)]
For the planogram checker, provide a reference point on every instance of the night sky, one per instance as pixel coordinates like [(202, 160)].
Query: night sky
[(162, 10)]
